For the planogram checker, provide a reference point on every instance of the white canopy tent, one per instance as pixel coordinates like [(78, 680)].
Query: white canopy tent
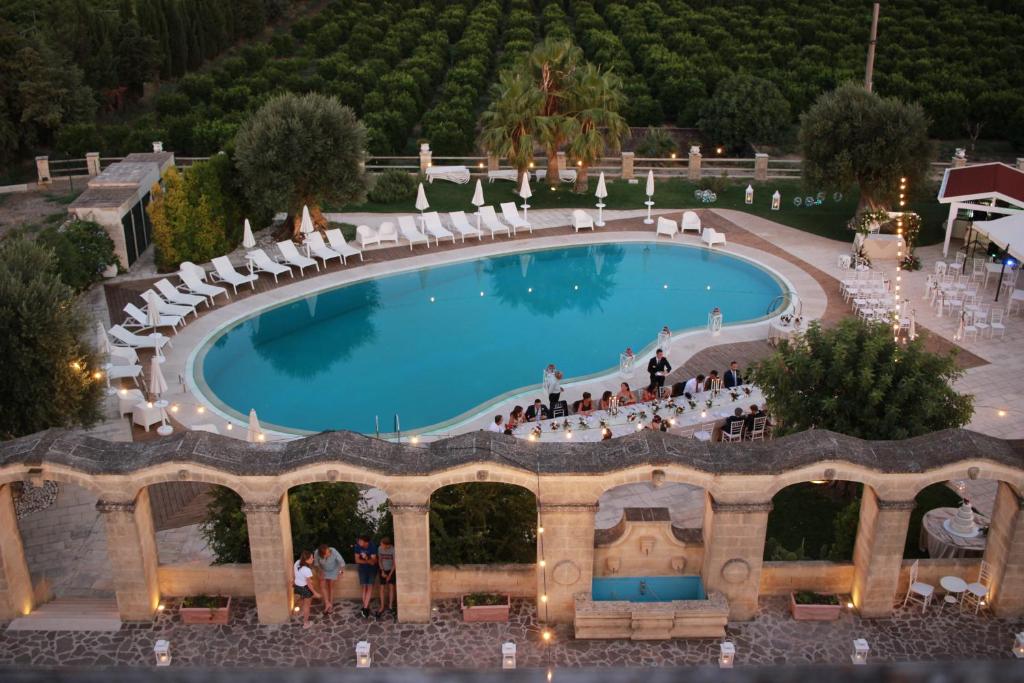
[(991, 188), (1007, 232)]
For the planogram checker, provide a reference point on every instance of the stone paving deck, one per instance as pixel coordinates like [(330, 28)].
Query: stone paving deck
[(771, 638)]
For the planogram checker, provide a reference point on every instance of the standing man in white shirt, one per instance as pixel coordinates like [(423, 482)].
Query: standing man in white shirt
[(552, 385)]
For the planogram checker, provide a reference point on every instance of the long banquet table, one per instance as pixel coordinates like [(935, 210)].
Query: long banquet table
[(627, 419)]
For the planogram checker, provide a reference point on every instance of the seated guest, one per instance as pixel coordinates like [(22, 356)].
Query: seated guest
[(650, 393), (712, 377), (496, 425), (737, 416), (625, 395), (585, 406), (733, 378), (606, 401), (537, 412), (693, 386), (515, 418), (754, 413)]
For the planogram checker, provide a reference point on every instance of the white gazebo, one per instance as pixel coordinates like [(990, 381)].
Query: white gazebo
[(992, 188)]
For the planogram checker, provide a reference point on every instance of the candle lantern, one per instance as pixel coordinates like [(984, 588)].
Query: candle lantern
[(162, 650), (748, 196), (776, 201), (508, 655), (727, 654), (860, 652), (1018, 646), (363, 655)]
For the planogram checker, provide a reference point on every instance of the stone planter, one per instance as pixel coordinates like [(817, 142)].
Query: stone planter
[(813, 612), (207, 615), (481, 613)]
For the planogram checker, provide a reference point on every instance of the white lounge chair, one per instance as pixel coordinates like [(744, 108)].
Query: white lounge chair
[(138, 320), (432, 225), (711, 237), (260, 262), (124, 364), (512, 217), (339, 245), (367, 236), (387, 233), (581, 219), (463, 226), (691, 221), (192, 283), (123, 337), (168, 308), (503, 174), (291, 255), (666, 226), (223, 271), (491, 222), (316, 248), (407, 224), (176, 296)]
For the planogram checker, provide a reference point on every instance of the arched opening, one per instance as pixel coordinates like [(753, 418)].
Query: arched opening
[(483, 544), (814, 520)]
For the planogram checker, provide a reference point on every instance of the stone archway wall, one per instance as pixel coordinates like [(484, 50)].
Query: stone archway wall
[(567, 478)]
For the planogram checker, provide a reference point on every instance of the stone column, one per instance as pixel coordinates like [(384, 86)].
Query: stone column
[(15, 581), (412, 558), (131, 547), (627, 165), (426, 157), (43, 170), (492, 162), (270, 544), (1005, 553), (566, 547), (92, 163), (734, 536), (693, 170), (760, 166), (878, 553)]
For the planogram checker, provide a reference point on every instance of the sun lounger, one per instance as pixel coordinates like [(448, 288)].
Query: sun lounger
[(166, 307), (316, 248), (491, 222), (291, 255), (407, 224), (503, 174), (432, 225), (260, 262), (223, 271), (175, 296), (138, 341), (512, 217), (138, 320), (463, 226), (192, 283), (338, 244)]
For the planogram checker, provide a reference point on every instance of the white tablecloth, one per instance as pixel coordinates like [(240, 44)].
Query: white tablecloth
[(941, 544), (455, 174), (880, 246), (621, 424)]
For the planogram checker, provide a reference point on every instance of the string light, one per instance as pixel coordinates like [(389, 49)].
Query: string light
[(896, 296)]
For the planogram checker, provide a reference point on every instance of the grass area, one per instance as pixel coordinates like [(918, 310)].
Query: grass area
[(805, 514), (935, 496), (828, 220)]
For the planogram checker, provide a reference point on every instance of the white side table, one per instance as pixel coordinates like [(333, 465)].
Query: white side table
[(954, 587)]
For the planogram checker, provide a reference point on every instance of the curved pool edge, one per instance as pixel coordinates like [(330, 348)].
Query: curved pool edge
[(197, 388)]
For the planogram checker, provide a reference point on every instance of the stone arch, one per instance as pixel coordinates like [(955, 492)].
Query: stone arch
[(970, 469), (59, 474), (480, 472), (326, 472), (188, 472)]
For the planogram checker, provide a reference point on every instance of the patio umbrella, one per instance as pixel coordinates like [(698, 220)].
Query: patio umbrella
[(601, 193), (307, 222), (913, 325), (152, 309), (421, 199), (478, 200), (103, 341), (157, 383), (248, 241), (649, 191), (525, 193), (255, 433)]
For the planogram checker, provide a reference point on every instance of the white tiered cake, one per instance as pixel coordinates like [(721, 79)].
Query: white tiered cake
[(963, 523)]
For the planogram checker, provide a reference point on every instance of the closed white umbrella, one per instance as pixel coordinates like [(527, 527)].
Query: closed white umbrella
[(255, 433), (525, 193), (601, 193), (649, 191), (478, 200), (102, 340), (307, 222), (152, 309), (248, 241), (421, 199), (157, 386), (913, 325)]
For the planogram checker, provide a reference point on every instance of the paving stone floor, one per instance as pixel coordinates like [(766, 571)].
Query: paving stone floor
[(772, 638)]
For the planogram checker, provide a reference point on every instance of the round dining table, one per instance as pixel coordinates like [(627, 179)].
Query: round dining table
[(941, 543)]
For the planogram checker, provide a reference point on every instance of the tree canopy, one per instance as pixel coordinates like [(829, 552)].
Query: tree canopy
[(850, 136), (854, 379), (482, 523), (49, 370), (745, 109), (301, 150)]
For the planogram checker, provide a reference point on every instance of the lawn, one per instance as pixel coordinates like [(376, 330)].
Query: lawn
[(827, 220)]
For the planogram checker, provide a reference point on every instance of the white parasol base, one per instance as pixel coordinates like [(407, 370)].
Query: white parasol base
[(600, 215), (165, 430), (649, 220)]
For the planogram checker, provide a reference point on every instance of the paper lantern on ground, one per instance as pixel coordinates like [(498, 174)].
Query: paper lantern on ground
[(727, 654), (776, 201), (860, 652), (748, 196), (162, 650), (508, 655), (363, 655)]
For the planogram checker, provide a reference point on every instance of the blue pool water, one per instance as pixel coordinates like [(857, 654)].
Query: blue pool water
[(382, 347), (647, 588)]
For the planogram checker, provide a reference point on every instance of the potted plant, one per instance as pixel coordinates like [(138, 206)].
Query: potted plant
[(478, 607), (811, 606), (205, 609)]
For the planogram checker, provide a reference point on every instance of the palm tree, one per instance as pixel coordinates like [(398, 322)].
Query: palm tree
[(508, 123), (595, 122), (551, 67)]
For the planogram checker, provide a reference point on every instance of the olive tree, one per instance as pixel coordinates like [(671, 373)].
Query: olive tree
[(301, 150)]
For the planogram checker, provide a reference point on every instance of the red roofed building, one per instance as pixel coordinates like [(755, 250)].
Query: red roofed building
[(993, 188)]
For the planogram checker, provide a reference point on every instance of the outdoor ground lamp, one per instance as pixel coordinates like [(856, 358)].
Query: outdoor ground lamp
[(776, 201), (162, 650), (363, 655), (1018, 646), (727, 654), (860, 652), (748, 196), (508, 655)]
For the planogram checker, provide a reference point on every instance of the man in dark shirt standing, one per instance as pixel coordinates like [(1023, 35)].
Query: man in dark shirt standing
[(658, 368)]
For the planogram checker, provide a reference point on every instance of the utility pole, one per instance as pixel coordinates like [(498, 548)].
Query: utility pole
[(869, 71)]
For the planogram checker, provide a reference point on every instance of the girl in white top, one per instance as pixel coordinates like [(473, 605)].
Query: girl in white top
[(305, 588)]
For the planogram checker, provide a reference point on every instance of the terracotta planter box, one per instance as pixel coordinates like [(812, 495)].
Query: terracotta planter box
[(480, 613), (813, 612), (206, 615)]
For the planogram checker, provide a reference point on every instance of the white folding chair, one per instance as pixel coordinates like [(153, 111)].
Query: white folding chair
[(977, 592), (757, 431), (917, 591), (996, 323), (706, 431), (735, 431)]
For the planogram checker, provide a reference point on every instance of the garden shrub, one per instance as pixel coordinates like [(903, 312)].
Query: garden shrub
[(392, 186), (83, 250)]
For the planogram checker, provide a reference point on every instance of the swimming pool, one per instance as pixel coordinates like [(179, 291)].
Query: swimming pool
[(434, 344)]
